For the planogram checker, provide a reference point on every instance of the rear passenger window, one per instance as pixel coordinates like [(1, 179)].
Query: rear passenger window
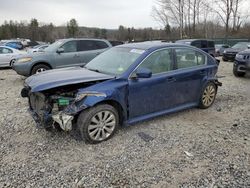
[(158, 62), (87, 45), (186, 58), (101, 44)]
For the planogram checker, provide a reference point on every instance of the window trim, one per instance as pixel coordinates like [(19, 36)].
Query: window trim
[(175, 57), (172, 58), (68, 42)]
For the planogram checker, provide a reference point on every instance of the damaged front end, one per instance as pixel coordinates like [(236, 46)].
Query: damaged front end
[(57, 108)]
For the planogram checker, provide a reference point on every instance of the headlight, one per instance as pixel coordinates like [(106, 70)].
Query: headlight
[(225, 51), (239, 56), (24, 60), (86, 94)]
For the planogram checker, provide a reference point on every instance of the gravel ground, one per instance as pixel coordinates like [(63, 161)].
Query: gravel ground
[(192, 148)]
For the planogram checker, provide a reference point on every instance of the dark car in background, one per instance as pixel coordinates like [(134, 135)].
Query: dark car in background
[(204, 44), (115, 42), (230, 53), (242, 63), (124, 85), (62, 53), (220, 48)]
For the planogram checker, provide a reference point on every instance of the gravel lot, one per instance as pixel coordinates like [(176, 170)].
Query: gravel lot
[(192, 148)]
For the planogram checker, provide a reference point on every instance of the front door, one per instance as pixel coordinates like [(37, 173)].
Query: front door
[(149, 95), (70, 57)]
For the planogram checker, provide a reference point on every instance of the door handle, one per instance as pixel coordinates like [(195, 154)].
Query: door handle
[(202, 72), (171, 79), (76, 55)]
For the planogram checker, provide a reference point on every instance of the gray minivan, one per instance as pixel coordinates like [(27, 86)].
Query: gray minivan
[(60, 54)]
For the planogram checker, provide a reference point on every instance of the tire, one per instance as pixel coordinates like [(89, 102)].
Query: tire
[(236, 73), (39, 68), (208, 95), (11, 62), (98, 124)]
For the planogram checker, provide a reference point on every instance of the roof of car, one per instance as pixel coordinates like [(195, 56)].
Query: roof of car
[(190, 40), (147, 45)]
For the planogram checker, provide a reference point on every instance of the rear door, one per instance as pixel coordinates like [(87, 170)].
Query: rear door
[(70, 57), (191, 71), (89, 49)]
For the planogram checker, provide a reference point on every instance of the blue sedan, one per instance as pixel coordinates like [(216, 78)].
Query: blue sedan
[(122, 86)]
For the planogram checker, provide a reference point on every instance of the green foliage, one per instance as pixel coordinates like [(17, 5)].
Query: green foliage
[(72, 28)]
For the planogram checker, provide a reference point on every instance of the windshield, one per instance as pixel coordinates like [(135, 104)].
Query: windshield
[(53, 47), (240, 45), (114, 61)]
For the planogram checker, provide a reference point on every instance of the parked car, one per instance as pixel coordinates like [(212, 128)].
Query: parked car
[(220, 48), (62, 53), (15, 44), (122, 86), (8, 55), (206, 45), (116, 43), (242, 63), (38, 48), (230, 53)]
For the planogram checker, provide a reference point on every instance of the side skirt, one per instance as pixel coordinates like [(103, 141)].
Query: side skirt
[(155, 114)]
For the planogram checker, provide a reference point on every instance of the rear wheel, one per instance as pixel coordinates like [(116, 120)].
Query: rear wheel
[(208, 95), (12, 62), (238, 74), (39, 68), (98, 124)]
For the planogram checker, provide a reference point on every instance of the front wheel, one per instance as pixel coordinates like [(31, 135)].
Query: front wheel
[(98, 123), (208, 95), (39, 68)]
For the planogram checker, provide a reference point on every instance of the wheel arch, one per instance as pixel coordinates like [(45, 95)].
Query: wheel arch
[(121, 111), (40, 63)]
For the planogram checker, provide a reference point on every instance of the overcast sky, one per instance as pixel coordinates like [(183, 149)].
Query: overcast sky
[(91, 13)]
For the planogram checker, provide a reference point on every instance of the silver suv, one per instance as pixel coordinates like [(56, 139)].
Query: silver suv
[(62, 53)]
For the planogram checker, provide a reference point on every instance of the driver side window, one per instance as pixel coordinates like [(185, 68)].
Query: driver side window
[(159, 62), (70, 46)]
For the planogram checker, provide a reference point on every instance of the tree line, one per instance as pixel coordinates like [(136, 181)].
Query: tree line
[(204, 18)]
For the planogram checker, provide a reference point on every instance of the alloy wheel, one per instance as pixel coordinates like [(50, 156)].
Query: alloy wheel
[(209, 95), (40, 70), (102, 125)]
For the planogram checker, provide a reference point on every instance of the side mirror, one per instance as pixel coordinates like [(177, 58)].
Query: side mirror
[(143, 73), (248, 46), (60, 50)]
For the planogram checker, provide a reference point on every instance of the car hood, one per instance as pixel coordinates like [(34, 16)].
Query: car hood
[(62, 77), (245, 52), (233, 50)]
